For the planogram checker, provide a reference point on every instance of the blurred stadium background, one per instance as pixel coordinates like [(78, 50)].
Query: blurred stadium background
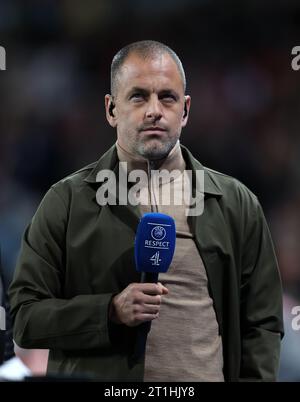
[(244, 120)]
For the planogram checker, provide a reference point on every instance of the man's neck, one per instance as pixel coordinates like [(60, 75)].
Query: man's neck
[(173, 161)]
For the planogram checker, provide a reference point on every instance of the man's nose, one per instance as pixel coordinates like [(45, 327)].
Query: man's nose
[(153, 110)]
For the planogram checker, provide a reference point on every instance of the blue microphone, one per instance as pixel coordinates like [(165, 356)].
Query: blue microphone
[(153, 250)]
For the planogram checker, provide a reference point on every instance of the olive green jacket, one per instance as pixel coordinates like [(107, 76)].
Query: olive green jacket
[(76, 255)]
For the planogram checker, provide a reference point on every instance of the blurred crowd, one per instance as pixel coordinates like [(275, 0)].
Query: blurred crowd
[(245, 106)]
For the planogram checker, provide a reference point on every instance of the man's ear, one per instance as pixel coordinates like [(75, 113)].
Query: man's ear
[(186, 110), (109, 109)]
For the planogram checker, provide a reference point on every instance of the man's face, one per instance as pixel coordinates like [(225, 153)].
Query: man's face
[(149, 106)]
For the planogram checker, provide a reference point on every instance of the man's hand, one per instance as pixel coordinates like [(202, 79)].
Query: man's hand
[(137, 303)]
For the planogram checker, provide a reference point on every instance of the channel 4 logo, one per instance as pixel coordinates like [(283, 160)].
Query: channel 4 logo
[(2, 58)]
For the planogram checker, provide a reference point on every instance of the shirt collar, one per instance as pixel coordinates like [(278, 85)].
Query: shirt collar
[(110, 161)]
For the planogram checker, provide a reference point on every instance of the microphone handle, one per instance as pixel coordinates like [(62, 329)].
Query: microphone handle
[(144, 328), (149, 277)]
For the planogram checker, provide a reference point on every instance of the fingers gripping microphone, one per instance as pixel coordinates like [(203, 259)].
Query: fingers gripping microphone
[(154, 249)]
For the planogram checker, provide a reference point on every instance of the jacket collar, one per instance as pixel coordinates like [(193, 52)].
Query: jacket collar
[(210, 185), (110, 160)]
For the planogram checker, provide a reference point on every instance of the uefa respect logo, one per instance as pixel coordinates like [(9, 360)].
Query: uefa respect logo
[(161, 187), (2, 58), (158, 233)]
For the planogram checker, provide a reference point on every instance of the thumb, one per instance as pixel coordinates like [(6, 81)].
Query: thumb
[(164, 290)]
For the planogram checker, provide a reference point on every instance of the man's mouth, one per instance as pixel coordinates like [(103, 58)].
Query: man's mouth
[(153, 130)]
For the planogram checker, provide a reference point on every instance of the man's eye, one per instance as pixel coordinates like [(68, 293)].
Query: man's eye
[(168, 98), (137, 96)]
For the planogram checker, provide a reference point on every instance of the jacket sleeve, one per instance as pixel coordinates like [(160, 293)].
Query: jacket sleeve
[(261, 301), (42, 317)]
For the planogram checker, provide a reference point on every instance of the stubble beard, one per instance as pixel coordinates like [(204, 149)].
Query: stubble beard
[(158, 150)]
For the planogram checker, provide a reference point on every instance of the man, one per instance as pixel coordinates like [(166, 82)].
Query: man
[(216, 314)]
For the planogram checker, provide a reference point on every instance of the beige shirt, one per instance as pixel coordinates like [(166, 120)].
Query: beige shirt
[(184, 342)]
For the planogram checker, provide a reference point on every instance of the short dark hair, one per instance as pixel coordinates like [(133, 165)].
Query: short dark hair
[(145, 49)]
